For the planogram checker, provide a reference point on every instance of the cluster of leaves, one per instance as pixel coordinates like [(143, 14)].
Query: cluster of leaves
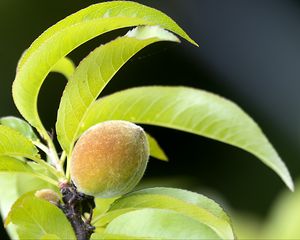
[(149, 213)]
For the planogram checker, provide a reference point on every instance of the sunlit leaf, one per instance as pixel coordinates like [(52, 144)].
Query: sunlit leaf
[(92, 75), (35, 218), (16, 184), (193, 111), (103, 236), (159, 224), (155, 150), (13, 143), (64, 66), (191, 204), (50, 237), (20, 125), (56, 42)]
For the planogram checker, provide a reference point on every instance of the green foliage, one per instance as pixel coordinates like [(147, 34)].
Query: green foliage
[(193, 111), (92, 75), (20, 125), (159, 223), (13, 143), (9, 164), (157, 213), (17, 184), (64, 66), (63, 37), (155, 150), (192, 205), (36, 219)]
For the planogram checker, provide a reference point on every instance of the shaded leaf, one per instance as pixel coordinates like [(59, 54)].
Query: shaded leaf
[(161, 224), (284, 219), (34, 218), (93, 74), (193, 111), (102, 205), (20, 125), (155, 150), (60, 39)]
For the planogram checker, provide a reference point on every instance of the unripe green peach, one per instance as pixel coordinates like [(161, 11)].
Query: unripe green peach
[(109, 159)]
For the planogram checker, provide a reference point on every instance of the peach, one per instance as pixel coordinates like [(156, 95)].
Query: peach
[(109, 159)]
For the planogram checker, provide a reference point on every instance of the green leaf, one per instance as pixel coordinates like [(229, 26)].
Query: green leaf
[(193, 205), (35, 218), (104, 236), (50, 236), (13, 165), (13, 143), (64, 66), (16, 184), (102, 206), (20, 125), (93, 74), (9, 164), (60, 39), (159, 224), (155, 150), (193, 111)]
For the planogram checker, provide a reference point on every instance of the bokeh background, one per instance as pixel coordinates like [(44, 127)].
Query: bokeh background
[(249, 53)]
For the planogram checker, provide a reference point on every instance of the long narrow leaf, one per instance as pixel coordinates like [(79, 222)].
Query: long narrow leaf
[(64, 66), (71, 32), (155, 150), (193, 111), (92, 75)]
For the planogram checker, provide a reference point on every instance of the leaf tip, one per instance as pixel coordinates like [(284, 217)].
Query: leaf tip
[(194, 43), (146, 32), (290, 185)]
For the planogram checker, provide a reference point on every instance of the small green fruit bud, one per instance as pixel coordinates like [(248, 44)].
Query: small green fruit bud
[(48, 195), (109, 159)]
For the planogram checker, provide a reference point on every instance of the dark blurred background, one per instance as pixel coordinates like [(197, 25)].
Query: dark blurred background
[(249, 52)]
